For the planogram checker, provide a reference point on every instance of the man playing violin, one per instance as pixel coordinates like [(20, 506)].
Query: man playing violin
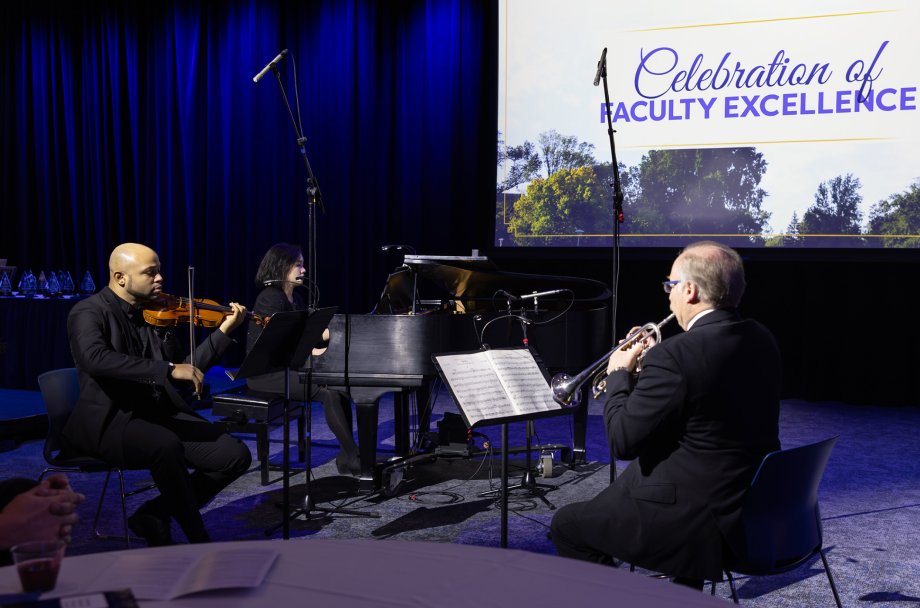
[(131, 412)]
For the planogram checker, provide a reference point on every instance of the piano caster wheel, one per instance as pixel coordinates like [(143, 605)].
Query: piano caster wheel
[(545, 465), (393, 481)]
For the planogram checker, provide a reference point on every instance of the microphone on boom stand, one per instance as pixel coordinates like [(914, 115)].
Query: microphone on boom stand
[(271, 64), (297, 283), (601, 67)]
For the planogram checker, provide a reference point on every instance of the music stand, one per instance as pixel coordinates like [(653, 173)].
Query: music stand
[(527, 483), (472, 378), (284, 345)]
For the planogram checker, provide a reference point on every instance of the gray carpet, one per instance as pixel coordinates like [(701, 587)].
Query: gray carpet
[(870, 500)]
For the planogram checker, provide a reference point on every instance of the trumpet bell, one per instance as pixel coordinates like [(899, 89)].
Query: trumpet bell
[(565, 390)]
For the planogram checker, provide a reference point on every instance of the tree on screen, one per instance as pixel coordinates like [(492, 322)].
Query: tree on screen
[(792, 237), (835, 210), (571, 200), (561, 205), (522, 164), (898, 216), (701, 192), (564, 152)]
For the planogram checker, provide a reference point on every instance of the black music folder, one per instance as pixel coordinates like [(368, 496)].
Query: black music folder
[(286, 341), (497, 386)]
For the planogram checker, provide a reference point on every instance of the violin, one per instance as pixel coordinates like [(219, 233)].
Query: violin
[(168, 311)]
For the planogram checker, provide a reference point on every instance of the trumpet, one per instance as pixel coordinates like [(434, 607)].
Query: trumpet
[(565, 386)]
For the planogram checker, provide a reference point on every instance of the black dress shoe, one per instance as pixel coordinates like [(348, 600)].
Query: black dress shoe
[(151, 528)]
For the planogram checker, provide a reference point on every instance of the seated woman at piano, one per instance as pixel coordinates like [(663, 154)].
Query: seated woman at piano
[(280, 272)]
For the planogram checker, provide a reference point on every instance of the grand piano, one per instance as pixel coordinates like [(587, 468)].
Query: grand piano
[(439, 304)]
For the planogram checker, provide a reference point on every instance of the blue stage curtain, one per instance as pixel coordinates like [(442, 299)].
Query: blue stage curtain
[(140, 122)]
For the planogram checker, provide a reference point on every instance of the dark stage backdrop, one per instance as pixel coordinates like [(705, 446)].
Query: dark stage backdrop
[(141, 122)]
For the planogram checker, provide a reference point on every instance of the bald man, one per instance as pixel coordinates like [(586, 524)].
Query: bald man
[(696, 422), (135, 387)]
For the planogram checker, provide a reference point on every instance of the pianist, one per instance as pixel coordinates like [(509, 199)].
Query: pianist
[(696, 423), (280, 271)]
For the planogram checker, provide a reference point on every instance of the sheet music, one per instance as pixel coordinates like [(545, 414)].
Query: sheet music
[(476, 386), (153, 576), (496, 384), (524, 382)]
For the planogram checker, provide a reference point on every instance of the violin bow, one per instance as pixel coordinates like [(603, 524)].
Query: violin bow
[(191, 314)]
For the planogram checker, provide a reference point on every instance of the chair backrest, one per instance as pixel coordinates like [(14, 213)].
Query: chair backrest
[(60, 390), (780, 517)]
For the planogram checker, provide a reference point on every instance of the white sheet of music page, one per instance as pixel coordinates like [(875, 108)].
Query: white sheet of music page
[(163, 576), (523, 381), (475, 385)]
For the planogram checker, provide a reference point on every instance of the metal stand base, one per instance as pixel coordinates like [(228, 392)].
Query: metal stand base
[(308, 506), (527, 483), (308, 511)]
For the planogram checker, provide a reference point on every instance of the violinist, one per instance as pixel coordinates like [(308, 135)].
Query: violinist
[(131, 412), (280, 271)]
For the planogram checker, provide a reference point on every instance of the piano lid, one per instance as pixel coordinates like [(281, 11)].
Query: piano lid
[(475, 280)]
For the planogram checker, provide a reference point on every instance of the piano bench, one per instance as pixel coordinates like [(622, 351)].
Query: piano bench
[(247, 411)]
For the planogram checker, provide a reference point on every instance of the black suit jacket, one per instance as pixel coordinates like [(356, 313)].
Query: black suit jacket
[(696, 423), (117, 382)]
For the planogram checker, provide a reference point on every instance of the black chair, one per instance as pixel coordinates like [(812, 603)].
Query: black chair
[(60, 390), (780, 519)]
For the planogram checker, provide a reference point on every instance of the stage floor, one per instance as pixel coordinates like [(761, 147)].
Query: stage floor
[(870, 499)]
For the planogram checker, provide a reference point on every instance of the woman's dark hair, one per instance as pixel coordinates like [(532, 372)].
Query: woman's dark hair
[(276, 262)]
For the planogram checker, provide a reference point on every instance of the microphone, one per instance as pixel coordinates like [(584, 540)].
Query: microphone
[(281, 282), (541, 294), (272, 64), (510, 296), (601, 67)]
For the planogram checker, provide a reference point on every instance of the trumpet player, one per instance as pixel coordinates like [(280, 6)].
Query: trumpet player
[(696, 422)]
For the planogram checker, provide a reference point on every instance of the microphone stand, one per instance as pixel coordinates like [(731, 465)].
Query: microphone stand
[(618, 219), (527, 483), (314, 195)]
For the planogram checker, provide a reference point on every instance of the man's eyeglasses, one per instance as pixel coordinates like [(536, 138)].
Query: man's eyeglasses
[(669, 285)]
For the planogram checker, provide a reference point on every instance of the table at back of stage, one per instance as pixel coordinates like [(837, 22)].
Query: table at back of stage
[(33, 339), (357, 573)]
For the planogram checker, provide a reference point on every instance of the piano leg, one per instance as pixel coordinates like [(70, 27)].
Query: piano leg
[(367, 442), (401, 422), (367, 407)]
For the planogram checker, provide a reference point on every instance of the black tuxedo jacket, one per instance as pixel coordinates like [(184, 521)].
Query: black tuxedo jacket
[(117, 380), (696, 423)]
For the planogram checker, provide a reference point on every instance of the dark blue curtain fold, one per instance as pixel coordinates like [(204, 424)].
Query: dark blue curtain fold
[(140, 122)]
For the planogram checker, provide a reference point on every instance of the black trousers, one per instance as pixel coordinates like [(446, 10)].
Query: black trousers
[(171, 445), (576, 529)]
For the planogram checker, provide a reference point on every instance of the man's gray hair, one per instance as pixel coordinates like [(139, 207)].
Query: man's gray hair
[(718, 271)]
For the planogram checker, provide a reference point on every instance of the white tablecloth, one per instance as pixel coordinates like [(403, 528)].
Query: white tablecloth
[(356, 573)]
